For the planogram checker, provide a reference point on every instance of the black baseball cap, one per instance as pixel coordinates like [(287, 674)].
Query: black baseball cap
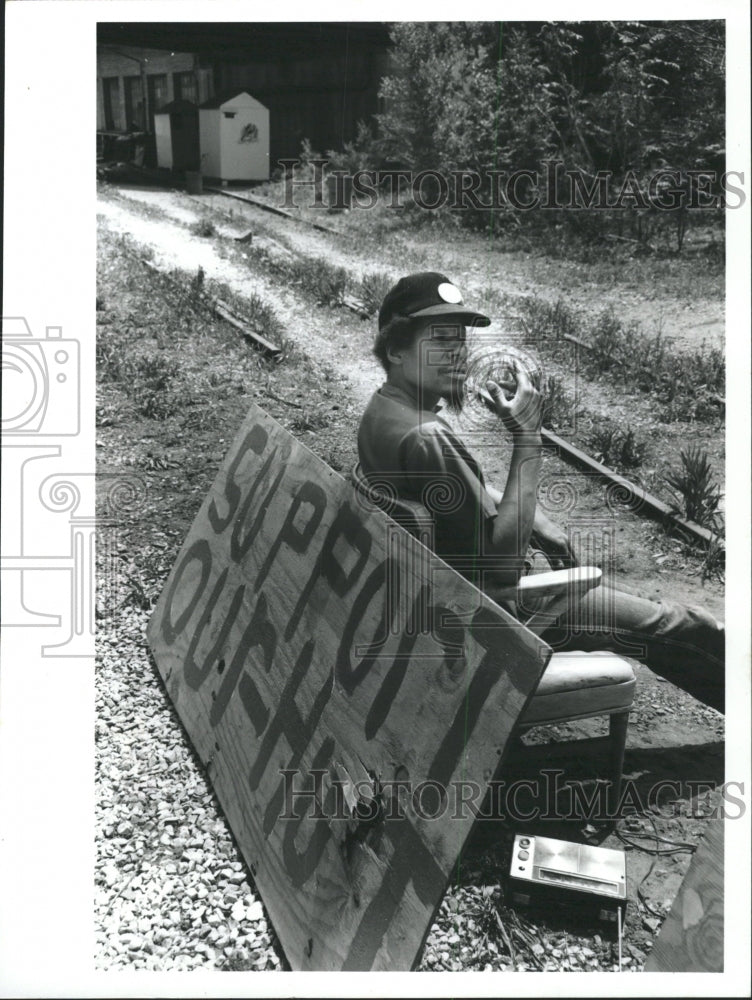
[(428, 293)]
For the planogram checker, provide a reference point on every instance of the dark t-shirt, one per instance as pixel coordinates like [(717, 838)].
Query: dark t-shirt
[(416, 452)]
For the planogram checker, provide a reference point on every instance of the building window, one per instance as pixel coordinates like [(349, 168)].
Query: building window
[(185, 86), (157, 84), (134, 102), (111, 97)]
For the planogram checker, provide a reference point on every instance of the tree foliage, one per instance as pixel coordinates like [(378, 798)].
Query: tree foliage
[(616, 96)]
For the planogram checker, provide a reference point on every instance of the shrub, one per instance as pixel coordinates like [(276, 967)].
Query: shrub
[(601, 440), (631, 451), (559, 407), (204, 228), (616, 446), (714, 560), (152, 374), (483, 96), (373, 288), (310, 420), (544, 321), (364, 153), (325, 282), (197, 282), (608, 341), (694, 487)]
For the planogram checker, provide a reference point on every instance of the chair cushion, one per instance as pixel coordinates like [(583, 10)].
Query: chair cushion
[(576, 685)]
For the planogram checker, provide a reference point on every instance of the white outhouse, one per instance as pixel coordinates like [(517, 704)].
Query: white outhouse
[(234, 137)]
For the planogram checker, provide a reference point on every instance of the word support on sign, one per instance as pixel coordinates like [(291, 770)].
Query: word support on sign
[(342, 686)]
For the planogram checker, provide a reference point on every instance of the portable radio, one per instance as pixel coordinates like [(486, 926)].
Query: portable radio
[(544, 870)]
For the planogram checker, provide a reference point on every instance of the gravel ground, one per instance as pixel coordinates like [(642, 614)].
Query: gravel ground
[(171, 890)]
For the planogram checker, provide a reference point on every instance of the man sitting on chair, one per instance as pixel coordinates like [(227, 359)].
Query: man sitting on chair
[(406, 444)]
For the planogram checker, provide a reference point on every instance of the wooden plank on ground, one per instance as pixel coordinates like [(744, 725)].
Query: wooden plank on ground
[(273, 209), (222, 309), (225, 312), (345, 690), (691, 938)]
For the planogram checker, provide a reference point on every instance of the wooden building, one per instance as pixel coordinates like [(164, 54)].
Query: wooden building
[(318, 79), (134, 82)]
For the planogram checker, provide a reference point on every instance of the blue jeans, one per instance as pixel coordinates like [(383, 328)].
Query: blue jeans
[(685, 644)]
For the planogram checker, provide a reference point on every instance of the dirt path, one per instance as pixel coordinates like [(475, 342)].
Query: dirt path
[(687, 321), (174, 247), (671, 303)]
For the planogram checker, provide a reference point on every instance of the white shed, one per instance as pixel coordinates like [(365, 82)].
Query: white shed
[(234, 137)]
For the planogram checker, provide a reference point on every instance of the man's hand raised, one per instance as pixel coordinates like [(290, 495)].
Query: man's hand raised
[(518, 403)]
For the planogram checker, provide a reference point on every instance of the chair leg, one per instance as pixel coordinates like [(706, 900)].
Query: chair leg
[(618, 724)]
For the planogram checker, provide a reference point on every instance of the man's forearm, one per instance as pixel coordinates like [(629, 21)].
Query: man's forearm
[(541, 521), (516, 510)]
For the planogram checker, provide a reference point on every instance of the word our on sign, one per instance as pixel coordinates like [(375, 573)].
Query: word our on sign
[(342, 687)]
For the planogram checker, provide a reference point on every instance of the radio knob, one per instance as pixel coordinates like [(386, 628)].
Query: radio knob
[(524, 842), (523, 855)]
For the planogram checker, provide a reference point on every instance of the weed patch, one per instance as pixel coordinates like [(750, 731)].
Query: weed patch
[(310, 420), (688, 385), (714, 560), (251, 308), (373, 288), (325, 283), (615, 446), (204, 228), (543, 320), (695, 490), (559, 407), (259, 315)]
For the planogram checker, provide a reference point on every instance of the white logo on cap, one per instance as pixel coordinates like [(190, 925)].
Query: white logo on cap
[(449, 293)]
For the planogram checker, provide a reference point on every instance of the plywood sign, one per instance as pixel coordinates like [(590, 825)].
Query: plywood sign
[(348, 693)]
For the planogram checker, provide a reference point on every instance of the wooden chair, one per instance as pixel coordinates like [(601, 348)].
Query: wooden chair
[(574, 685)]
